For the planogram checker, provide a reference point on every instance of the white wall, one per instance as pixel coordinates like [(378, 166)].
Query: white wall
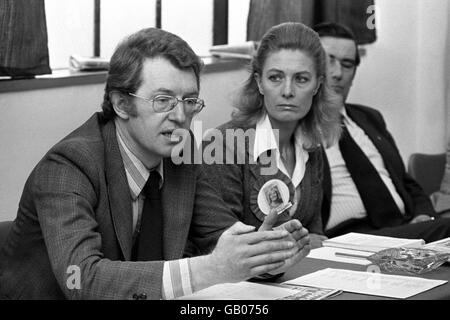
[(31, 122), (405, 74)]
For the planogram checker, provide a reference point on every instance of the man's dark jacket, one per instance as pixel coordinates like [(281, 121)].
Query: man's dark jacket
[(372, 122)]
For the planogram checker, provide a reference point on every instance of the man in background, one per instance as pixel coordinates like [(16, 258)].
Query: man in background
[(366, 187), (106, 214)]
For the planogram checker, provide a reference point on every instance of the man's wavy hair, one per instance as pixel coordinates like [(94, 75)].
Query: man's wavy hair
[(125, 69), (337, 30), (321, 124)]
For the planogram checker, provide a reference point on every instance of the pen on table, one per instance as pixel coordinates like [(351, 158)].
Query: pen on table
[(350, 255)]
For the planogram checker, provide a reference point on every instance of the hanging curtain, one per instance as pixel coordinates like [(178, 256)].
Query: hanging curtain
[(23, 38), (352, 13), (264, 14)]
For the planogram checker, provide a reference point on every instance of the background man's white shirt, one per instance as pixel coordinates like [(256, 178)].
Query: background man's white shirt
[(346, 202)]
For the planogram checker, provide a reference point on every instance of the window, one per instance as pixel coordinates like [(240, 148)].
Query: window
[(237, 21), (71, 26), (191, 20), (120, 18)]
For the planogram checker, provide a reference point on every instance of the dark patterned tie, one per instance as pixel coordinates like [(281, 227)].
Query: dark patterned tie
[(148, 245), (381, 208)]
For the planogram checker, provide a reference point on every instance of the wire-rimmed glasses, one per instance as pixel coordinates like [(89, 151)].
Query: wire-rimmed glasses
[(164, 103)]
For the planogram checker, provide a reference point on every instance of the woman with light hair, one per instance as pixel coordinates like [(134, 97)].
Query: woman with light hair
[(285, 96)]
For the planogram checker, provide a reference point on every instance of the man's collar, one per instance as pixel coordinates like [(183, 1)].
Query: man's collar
[(346, 118), (136, 172)]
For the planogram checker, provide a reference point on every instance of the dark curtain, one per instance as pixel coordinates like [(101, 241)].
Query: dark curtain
[(264, 14), (23, 38), (352, 13)]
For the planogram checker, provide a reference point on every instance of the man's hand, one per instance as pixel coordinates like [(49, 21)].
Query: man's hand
[(241, 254), (421, 218), (301, 236)]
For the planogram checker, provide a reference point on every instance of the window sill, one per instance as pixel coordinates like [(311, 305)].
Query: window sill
[(67, 77)]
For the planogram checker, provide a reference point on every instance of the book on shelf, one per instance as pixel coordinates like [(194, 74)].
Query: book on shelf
[(244, 50), (83, 63), (371, 243)]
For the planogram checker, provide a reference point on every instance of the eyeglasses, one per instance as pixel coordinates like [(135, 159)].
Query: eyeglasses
[(163, 103)]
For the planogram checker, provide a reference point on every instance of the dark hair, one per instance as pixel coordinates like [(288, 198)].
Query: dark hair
[(336, 30), (126, 63), (320, 123)]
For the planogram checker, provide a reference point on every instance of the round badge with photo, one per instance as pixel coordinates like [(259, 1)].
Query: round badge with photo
[(274, 194)]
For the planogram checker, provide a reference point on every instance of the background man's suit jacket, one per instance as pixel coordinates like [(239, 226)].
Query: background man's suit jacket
[(372, 122), (76, 210)]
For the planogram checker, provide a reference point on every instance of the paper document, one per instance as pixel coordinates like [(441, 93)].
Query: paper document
[(244, 50), (226, 55), (310, 293), (370, 283), (83, 63), (241, 291), (256, 291), (372, 243), (333, 254)]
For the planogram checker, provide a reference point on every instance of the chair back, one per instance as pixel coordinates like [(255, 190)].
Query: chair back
[(427, 170)]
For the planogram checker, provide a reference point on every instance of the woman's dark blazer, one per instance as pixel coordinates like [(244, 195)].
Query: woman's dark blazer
[(240, 182)]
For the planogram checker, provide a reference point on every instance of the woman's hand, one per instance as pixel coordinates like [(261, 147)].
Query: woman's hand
[(316, 240)]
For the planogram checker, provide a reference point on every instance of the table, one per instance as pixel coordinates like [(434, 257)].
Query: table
[(309, 265)]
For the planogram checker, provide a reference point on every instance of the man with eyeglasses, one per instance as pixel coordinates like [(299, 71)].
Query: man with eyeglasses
[(366, 186), (106, 214)]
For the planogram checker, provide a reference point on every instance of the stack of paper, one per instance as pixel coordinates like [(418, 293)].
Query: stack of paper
[(255, 291), (83, 63), (244, 50), (241, 291), (341, 255), (371, 243), (400, 287)]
